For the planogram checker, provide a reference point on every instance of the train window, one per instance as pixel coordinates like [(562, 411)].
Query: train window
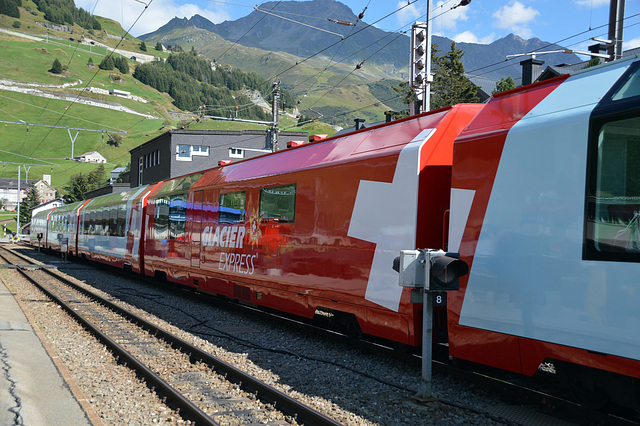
[(98, 229), (630, 87), (232, 207), (122, 219), (278, 203), (177, 216), (161, 218), (113, 219), (613, 198), (92, 222)]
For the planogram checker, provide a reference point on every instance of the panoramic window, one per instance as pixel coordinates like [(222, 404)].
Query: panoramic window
[(177, 216), (161, 218), (613, 204), (278, 203), (232, 207)]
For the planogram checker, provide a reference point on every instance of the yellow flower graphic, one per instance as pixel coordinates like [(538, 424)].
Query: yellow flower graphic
[(254, 228)]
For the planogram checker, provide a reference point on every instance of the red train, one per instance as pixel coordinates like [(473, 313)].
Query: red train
[(539, 194)]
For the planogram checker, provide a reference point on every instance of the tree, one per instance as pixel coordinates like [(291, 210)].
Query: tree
[(56, 67), (158, 47), (28, 204), (75, 190), (97, 178), (90, 62), (143, 46), (408, 96), (107, 63), (504, 84), (450, 86), (122, 64), (10, 8)]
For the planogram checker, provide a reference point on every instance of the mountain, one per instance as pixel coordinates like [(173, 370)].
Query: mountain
[(374, 46)]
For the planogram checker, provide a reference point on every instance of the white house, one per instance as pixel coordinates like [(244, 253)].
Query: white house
[(91, 157)]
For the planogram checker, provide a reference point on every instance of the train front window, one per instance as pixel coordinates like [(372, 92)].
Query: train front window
[(613, 202)]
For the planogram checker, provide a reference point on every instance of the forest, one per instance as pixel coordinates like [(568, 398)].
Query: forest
[(193, 82)]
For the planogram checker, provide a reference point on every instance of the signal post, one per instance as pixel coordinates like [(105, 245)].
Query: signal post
[(430, 273)]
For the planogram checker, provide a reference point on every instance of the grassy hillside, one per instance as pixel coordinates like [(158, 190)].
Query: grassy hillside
[(28, 61)]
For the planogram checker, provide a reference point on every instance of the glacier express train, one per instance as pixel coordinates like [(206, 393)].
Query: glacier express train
[(538, 191)]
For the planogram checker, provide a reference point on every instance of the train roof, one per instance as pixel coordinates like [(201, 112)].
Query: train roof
[(505, 108), (384, 139)]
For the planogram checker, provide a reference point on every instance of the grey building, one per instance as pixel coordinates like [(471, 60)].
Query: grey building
[(182, 151)]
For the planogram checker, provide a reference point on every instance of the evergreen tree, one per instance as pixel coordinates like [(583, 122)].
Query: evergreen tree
[(122, 64), (107, 63), (28, 204), (90, 63), (56, 67), (450, 86), (408, 96), (159, 47), (504, 84), (143, 46), (10, 8), (75, 190), (97, 178)]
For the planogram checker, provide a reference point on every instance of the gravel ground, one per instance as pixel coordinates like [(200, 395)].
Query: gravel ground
[(352, 386)]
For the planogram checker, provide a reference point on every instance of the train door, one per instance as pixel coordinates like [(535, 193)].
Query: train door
[(196, 228)]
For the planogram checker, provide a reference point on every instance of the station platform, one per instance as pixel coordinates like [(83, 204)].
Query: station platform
[(33, 389)]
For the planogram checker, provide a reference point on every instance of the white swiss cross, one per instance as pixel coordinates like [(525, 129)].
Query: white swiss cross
[(386, 214)]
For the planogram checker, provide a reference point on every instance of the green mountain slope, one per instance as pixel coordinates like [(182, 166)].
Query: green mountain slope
[(78, 98)]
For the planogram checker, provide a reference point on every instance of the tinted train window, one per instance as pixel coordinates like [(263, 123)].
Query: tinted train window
[(278, 203), (612, 228), (177, 216), (232, 207), (613, 207)]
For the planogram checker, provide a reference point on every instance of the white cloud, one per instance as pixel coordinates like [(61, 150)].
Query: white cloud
[(631, 44), (157, 14), (408, 14), (592, 3), (516, 18), (446, 18), (469, 37)]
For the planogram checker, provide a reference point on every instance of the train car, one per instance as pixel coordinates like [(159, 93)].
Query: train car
[(110, 228), (545, 202), (39, 226), (62, 228), (313, 230)]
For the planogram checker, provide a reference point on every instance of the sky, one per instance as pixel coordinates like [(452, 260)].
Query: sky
[(569, 23)]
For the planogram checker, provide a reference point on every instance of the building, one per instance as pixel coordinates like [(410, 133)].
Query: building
[(182, 151), (9, 192), (91, 157), (46, 192), (115, 173)]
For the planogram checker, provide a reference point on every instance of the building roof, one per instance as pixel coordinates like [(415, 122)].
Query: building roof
[(13, 183)]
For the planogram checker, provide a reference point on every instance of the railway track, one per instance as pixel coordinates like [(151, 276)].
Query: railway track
[(203, 388), (516, 391)]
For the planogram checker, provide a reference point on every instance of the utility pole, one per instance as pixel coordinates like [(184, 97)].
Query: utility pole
[(274, 111), (616, 28)]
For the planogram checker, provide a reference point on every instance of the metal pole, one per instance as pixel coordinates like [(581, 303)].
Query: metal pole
[(427, 332), (18, 218), (274, 129), (426, 98)]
